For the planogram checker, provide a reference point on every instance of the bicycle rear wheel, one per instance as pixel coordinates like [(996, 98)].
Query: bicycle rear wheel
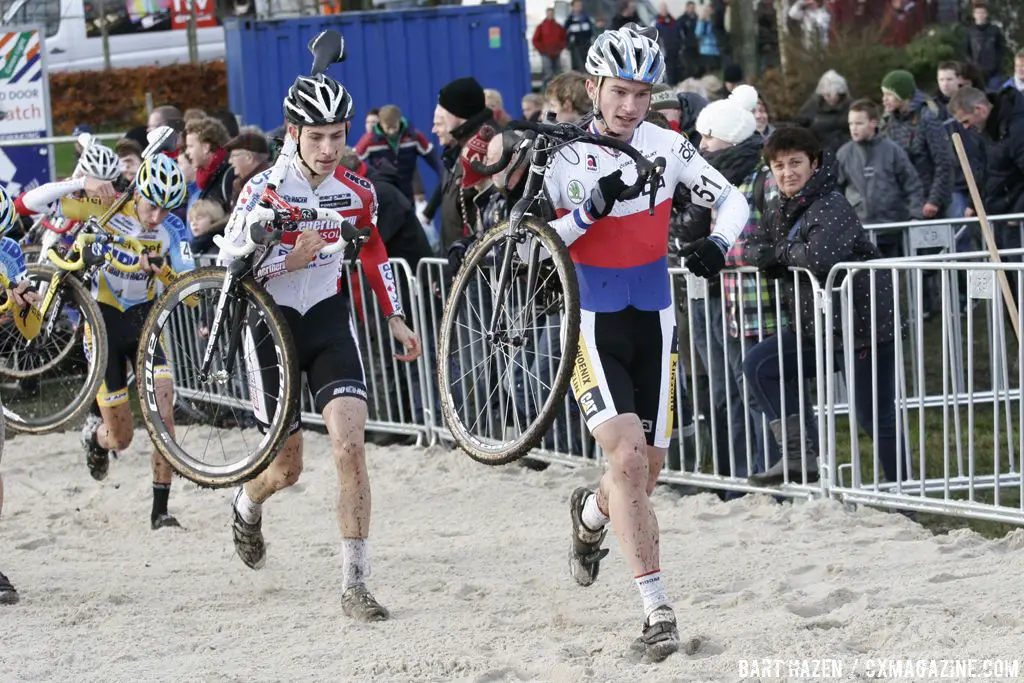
[(231, 447), (48, 383), (503, 386)]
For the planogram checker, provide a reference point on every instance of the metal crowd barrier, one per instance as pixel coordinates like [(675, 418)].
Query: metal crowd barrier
[(939, 383), (395, 389), (945, 462)]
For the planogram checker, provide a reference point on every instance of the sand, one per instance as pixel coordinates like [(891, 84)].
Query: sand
[(472, 562)]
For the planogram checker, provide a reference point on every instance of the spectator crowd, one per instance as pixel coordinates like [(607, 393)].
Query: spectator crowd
[(887, 155)]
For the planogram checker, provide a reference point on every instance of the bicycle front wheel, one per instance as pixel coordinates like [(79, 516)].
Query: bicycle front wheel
[(253, 369), (508, 342), (48, 383)]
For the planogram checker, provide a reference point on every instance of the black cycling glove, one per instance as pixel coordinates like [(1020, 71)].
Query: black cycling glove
[(604, 196), (705, 257)]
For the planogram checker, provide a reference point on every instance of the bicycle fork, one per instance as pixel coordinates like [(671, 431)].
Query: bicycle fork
[(237, 317)]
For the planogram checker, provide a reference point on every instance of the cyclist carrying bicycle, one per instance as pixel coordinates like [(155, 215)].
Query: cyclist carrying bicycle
[(624, 376), (12, 262), (125, 300), (306, 286), (96, 161)]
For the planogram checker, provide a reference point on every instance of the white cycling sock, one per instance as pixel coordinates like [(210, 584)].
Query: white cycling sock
[(248, 510), (355, 562), (651, 590), (592, 516)]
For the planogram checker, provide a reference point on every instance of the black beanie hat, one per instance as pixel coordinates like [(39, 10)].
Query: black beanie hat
[(463, 97)]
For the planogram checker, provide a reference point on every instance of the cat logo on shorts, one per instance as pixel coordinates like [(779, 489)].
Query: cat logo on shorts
[(584, 385)]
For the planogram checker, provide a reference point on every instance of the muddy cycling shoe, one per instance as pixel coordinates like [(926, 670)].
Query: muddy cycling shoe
[(249, 540), (359, 604), (96, 457), (660, 635), (8, 594), (585, 554), (162, 521)]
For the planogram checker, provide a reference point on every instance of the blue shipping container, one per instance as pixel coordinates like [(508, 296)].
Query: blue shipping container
[(400, 57)]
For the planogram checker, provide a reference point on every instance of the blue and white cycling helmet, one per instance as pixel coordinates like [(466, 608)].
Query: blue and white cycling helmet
[(8, 215), (161, 182), (629, 53)]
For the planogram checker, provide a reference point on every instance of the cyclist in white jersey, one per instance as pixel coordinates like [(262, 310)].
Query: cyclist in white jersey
[(305, 284), (624, 376), (97, 161)]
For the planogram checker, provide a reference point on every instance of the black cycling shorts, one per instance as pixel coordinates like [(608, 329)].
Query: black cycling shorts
[(326, 349), (123, 331), (626, 363)]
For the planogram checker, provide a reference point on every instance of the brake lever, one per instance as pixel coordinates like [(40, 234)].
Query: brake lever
[(655, 179), (356, 238), (263, 235)]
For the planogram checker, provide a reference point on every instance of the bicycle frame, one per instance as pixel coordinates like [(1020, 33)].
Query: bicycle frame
[(269, 199), (266, 224), (647, 174)]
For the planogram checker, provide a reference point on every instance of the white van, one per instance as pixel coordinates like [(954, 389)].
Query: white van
[(140, 32)]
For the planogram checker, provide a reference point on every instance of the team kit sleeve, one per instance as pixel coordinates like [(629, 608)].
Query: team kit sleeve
[(12, 260), (48, 198), (709, 188), (572, 222), (179, 254), (234, 231), (374, 255)]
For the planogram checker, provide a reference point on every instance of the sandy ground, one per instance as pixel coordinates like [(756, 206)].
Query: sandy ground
[(472, 562)]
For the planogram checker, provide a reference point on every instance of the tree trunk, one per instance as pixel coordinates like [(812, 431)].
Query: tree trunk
[(743, 20)]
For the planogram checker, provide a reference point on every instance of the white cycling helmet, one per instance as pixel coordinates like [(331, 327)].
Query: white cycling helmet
[(8, 215), (629, 53), (161, 182), (317, 101), (97, 160)]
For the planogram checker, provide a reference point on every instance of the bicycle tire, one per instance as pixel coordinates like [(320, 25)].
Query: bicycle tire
[(203, 474), (79, 294), (487, 451)]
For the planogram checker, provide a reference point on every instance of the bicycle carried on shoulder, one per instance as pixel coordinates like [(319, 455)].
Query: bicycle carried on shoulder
[(213, 320), (53, 354), (510, 329), (216, 323)]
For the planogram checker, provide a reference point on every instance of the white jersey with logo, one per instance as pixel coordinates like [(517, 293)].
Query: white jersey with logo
[(347, 193), (622, 259)]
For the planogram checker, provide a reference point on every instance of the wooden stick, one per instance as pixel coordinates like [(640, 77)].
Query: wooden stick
[(986, 231)]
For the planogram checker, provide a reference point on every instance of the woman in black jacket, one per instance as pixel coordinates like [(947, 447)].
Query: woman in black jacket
[(813, 227)]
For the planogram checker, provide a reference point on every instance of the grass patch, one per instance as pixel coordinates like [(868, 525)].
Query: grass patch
[(64, 157)]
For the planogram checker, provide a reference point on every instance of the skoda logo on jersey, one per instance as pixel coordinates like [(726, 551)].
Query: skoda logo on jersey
[(575, 192)]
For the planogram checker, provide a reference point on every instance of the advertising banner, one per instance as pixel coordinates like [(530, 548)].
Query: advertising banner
[(24, 110)]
